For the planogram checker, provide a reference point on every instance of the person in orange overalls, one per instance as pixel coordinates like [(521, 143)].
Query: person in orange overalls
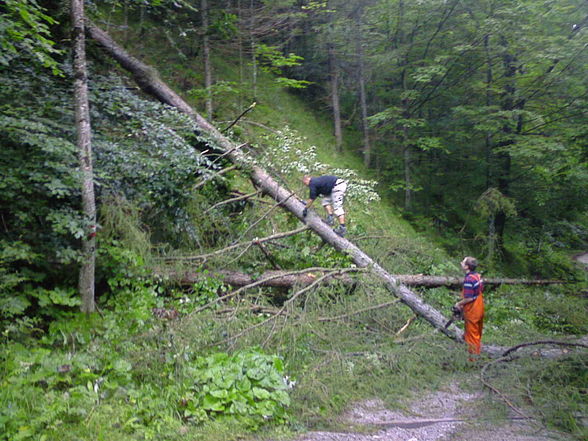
[(472, 305)]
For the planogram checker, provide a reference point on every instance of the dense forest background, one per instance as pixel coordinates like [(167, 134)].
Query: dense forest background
[(461, 126)]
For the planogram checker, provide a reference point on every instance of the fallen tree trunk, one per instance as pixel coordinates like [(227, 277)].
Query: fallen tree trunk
[(150, 83), (237, 279)]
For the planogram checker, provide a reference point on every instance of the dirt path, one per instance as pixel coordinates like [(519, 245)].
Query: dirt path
[(446, 415)]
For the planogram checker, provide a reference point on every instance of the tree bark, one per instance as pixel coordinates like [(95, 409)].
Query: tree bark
[(238, 279), (334, 83), (367, 150), (206, 53), (287, 199), (334, 77), (84, 142)]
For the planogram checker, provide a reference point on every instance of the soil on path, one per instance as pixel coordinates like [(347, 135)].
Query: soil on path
[(446, 415)]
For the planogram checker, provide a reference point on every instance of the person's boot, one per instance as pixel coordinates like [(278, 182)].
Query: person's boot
[(341, 230), (330, 220)]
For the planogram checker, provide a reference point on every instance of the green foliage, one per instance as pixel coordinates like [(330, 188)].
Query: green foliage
[(248, 384), (274, 62), (492, 202), (24, 27)]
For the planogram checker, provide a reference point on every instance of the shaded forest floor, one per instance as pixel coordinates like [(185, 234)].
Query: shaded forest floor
[(451, 413)]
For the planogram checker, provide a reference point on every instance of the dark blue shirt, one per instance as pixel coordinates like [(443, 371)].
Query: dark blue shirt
[(321, 185), (472, 285)]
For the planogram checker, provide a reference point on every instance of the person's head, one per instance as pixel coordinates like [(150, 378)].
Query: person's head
[(469, 263), (306, 179)]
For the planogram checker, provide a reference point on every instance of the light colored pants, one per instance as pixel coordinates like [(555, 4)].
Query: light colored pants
[(337, 197)]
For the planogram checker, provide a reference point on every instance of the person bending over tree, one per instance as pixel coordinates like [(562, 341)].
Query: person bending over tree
[(333, 191), (472, 305)]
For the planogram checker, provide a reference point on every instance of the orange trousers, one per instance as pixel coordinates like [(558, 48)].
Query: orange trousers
[(473, 315)]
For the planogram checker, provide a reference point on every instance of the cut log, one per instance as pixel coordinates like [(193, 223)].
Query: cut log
[(150, 83), (238, 279)]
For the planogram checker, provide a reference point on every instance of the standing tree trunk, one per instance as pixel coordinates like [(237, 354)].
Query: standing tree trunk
[(362, 93), (253, 52), (334, 83), (84, 142), (206, 52), (502, 157), (240, 44), (334, 77)]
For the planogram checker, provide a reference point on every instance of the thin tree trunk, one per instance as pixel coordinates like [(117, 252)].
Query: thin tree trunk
[(407, 178), (288, 200), (334, 80), (406, 153), (240, 43), (503, 158), (334, 76), (84, 142), (253, 55), (362, 93), (491, 239), (206, 52)]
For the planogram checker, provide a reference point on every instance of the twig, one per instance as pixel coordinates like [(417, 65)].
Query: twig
[(214, 175), (359, 311), (228, 201), (372, 237), (253, 308), (248, 109), (407, 324), (276, 205), (542, 342), (204, 257), (268, 256), (263, 126), (496, 391), (228, 152)]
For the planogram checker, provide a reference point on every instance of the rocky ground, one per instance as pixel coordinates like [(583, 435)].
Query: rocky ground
[(446, 415)]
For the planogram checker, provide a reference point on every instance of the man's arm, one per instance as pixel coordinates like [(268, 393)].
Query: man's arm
[(307, 204), (464, 302)]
